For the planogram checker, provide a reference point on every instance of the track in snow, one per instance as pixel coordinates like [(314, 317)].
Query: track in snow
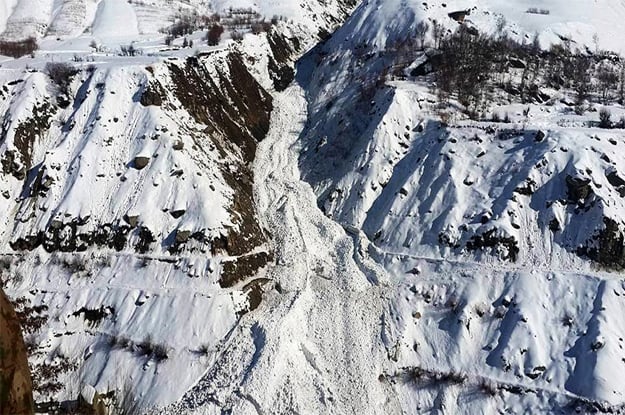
[(315, 344)]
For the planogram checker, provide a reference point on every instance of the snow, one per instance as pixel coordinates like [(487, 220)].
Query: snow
[(312, 346), (420, 191), (375, 303), (6, 10), (115, 18), (380, 22)]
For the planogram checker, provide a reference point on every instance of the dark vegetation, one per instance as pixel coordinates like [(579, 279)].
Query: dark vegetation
[(19, 161), (44, 374), (61, 74), (478, 69), (474, 67), (157, 352), (235, 20), (18, 48)]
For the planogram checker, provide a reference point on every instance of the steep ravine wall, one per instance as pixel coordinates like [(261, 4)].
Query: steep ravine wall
[(16, 395)]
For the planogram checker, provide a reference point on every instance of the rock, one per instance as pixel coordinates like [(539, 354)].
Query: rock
[(16, 395), (182, 236), (616, 181), (554, 225), (527, 189), (132, 220), (56, 224), (507, 246), (87, 393), (140, 162), (177, 213), (91, 399), (178, 145), (460, 15), (152, 95), (517, 63), (578, 189), (146, 238), (11, 165), (611, 242), (539, 96), (540, 136)]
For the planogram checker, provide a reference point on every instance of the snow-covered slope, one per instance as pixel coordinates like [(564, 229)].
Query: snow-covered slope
[(136, 199), (379, 252), (119, 18), (486, 229), (380, 22), (131, 242)]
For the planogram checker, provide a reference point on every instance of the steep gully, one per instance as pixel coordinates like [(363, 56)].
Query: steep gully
[(316, 341)]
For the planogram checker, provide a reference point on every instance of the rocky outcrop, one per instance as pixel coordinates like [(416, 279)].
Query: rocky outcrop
[(152, 95), (140, 162), (607, 247), (578, 189), (15, 381)]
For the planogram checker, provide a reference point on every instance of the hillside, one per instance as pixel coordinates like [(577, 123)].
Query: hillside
[(420, 212), (503, 239), (131, 243)]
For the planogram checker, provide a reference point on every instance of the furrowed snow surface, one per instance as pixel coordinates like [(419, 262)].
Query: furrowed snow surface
[(314, 345)]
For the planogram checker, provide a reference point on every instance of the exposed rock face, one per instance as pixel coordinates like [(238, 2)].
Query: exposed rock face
[(610, 246), (578, 188), (152, 95), (15, 382)]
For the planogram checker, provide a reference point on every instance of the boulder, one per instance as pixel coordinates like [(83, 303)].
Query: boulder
[(182, 236), (578, 189), (177, 213), (132, 220), (140, 162)]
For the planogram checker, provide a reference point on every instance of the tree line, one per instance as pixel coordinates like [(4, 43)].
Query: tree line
[(472, 67)]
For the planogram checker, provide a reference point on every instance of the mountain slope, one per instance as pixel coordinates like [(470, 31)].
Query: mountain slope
[(190, 229), (131, 241), (493, 234), (102, 18)]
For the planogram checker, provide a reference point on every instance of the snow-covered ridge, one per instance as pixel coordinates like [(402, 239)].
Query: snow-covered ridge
[(106, 19), (503, 240), (587, 23)]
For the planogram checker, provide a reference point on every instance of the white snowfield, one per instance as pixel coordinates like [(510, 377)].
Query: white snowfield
[(417, 268), (381, 21), (106, 19)]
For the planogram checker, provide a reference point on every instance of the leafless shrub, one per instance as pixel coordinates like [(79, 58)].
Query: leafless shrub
[(120, 342), (61, 73), (535, 10), (129, 50), (214, 34), (160, 352), (605, 118), (156, 351), (203, 350), (126, 402), (488, 387), (236, 35)]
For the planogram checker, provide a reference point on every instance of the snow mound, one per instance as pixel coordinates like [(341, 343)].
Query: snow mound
[(115, 18)]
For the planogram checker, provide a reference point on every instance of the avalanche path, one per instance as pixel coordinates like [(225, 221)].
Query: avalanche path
[(315, 343)]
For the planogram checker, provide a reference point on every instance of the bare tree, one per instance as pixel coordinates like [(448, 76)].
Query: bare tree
[(214, 34), (608, 78), (422, 30)]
